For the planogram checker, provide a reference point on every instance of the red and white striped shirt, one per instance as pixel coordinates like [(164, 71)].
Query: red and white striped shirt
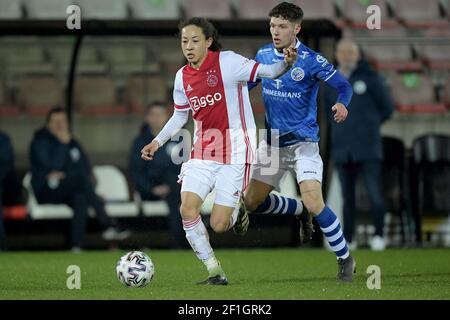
[(217, 94)]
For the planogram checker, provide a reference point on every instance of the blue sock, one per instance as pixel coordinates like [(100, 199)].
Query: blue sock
[(280, 205), (331, 228)]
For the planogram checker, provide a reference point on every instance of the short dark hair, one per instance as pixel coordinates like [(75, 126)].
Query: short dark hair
[(54, 110), (287, 11), (209, 30)]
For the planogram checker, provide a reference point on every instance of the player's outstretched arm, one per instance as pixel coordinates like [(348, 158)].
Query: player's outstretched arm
[(345, 92), (175, 123), (276, 70)]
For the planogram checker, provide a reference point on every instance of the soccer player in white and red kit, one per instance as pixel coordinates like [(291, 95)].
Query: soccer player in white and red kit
[(213, 85)]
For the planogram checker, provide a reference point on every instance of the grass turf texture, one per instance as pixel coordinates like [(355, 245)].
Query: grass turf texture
[(253, 274)]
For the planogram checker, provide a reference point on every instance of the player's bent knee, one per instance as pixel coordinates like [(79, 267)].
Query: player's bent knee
[(313, 205), (219, 225), (189, 212)]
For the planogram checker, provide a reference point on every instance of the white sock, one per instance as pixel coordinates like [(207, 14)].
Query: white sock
[(198, 238), (233, 217)]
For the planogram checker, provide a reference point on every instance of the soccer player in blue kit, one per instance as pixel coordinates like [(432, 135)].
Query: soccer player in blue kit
[(292, 131)]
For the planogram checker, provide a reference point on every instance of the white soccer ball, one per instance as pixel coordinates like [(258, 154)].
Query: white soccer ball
[(135, 269)]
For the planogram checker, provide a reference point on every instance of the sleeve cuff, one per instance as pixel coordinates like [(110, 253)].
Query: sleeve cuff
[(178, 107), (254, 73)]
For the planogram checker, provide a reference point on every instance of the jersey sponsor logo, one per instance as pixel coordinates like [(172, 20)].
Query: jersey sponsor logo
[(202, 102), (322, 60), (282, 94), (278, 83), (297, 74), (305, 54), (359, 87)]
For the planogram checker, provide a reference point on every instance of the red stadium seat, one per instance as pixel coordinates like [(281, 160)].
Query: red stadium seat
[(143, 89), (254, 9), (321, 9), (208, 9), (435, 56), (6, 109), (100, 9), (96, 95), (419, 13), (414, 93), (18, 212), (38, 94), (396, 56), (355, 12), (157, 10)]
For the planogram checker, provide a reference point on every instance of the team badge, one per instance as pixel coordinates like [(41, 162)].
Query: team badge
[(297, 74), (212, 81), (360, 87)]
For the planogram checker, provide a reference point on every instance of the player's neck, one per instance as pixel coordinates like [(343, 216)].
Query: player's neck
[(200, 62), (292, 45)]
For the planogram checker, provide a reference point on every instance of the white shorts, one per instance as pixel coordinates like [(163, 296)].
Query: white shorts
[(273, 163), (202, 176)]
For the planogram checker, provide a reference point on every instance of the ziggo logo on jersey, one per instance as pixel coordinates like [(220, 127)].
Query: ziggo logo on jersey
[(202, 102)]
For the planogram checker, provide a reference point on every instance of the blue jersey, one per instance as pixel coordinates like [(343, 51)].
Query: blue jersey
[(291, 100)]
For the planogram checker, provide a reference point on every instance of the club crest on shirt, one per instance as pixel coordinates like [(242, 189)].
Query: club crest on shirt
[(212, 81), (297, 74), (359, 87)]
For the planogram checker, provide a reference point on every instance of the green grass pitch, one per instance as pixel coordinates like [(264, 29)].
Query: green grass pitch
[(253, 274)]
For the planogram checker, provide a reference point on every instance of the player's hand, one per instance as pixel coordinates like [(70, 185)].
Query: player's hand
[(340, 112), (149, 150), (290, 55)]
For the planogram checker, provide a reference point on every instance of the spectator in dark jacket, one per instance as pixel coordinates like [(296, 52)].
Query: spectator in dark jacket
[(6, 165), (356, 145), (157, 180), (61, 173)]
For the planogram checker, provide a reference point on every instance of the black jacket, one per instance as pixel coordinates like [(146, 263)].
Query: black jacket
[(6, 156), (148, 174), (358, 138), (48, 154)]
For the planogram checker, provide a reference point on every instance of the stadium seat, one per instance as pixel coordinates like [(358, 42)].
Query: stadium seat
[(393, 56), (24, 56), (157, 10), (6, 109), (414, 93), (113, 188), (318, 9), (435, 56), (254, 9), (10, 10), (219, 10), (431, 179), (355, 12), (129, 58), (90, 59), (43, 211), (47, 9), (96, 95), (38, 94), (419, 13), (100, 9), (143, 89)]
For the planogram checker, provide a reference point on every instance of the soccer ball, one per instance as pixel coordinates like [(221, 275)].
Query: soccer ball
[(135, 269)]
